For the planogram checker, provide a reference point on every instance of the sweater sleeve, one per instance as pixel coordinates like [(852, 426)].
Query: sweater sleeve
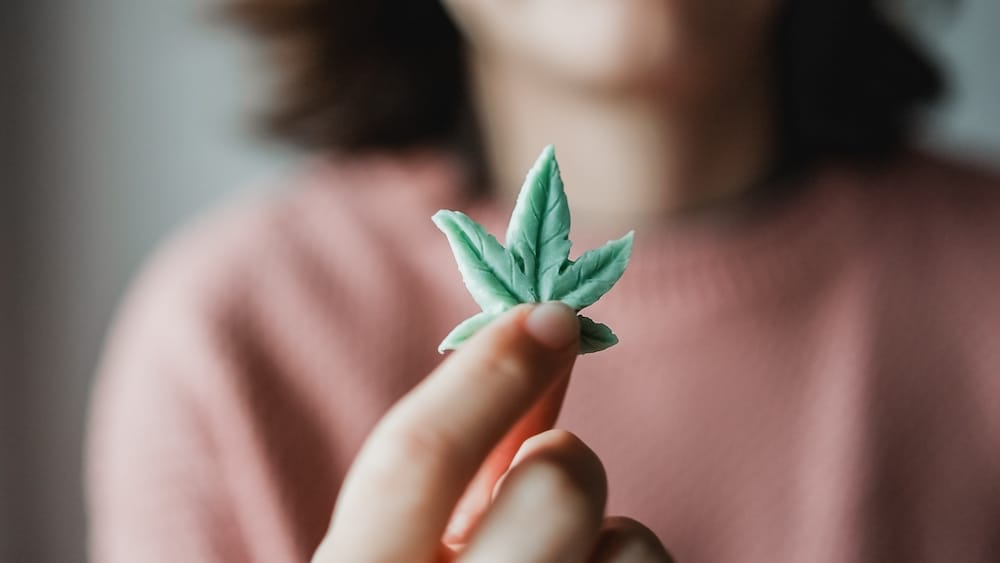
[(236, 387), (154, 489), (250, 361)]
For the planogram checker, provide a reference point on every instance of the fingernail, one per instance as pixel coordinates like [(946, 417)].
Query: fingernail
[(553, 324), (458, 529)]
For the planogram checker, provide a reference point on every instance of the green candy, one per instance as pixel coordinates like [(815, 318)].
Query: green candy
[(535, 266)]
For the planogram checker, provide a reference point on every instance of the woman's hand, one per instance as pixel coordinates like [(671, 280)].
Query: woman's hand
[(446, 454)]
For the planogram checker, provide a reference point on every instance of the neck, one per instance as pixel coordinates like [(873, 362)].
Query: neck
[(628, 159)]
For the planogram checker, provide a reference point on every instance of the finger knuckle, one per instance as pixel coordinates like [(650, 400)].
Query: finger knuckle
[(418, 451), (510, 367)]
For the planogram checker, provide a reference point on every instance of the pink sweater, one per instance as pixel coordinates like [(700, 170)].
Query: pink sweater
[(819, 384)]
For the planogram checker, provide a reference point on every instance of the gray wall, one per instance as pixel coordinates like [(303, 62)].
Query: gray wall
[(14, 34), (135, 110), (968, 41), (135, 122)]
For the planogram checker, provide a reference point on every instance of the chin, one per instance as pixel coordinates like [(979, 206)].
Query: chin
[(614, 64), (600, 45), (616, 67), (605, 43)]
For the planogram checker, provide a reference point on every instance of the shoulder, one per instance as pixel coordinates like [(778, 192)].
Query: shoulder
[(935, 225), (233, 349), (331, 220), (933, 245), (323, 245), (934, 214), (925, 238), (943, 197)]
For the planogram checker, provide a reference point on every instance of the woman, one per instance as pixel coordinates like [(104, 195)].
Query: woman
[(807, 372)]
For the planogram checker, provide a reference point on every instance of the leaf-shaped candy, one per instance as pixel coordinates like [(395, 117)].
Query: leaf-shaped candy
[(535, 266)]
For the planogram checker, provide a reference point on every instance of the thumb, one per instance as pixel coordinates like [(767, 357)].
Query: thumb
[(540, 418)]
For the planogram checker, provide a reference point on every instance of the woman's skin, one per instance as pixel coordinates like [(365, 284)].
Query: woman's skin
[(664, 103)]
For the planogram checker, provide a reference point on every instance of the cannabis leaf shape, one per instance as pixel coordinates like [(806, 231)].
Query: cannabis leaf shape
[(535, 265)]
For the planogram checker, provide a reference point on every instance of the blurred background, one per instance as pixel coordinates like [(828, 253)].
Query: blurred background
[(122, 119)]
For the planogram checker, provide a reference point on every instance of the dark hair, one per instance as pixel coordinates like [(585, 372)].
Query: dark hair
[(388, 74), (849, 83)]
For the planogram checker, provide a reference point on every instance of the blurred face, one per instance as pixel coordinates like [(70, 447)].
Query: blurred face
[(684, 46)]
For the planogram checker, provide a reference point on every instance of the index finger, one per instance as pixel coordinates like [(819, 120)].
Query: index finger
[(400, 492)]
